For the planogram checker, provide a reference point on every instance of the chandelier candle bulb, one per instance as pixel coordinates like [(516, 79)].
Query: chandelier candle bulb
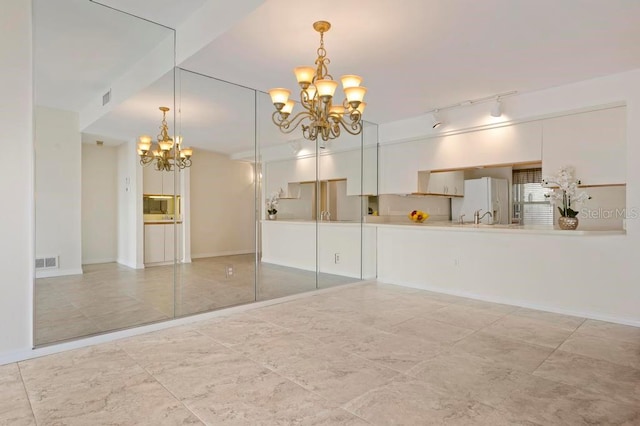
[(355, 95), (336, 110), (288, 107), (311, 92), (304, 75), (326, 88), (279, 97), (350, 81)]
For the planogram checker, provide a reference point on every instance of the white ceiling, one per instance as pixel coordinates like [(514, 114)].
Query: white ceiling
[(165, 12), (414, 55), (417, 55)]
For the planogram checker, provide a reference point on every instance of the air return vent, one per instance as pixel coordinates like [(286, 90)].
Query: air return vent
[(106, 98), (49, 262)]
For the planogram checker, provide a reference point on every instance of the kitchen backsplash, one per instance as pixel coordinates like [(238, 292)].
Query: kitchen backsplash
[(399, 206)]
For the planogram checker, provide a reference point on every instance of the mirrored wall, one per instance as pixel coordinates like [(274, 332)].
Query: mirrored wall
[(120, 244)]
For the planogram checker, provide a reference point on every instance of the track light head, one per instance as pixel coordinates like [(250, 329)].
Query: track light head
[(496, 109), (436, 121)]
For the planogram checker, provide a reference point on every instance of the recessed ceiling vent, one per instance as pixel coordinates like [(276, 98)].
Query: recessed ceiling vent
[(49, 262), (106, 98)]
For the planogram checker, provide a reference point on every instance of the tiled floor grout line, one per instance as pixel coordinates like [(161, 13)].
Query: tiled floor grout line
[(230, 347), (558, 346), (24, 386), (160, 383)]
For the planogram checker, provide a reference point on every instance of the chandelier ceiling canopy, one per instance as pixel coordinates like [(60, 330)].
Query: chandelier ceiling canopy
[(164, 154), (320, 116)]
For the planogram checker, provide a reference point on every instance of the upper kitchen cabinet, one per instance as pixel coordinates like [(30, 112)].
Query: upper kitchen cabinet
[(442, 183), (398, 168), (512, 144), (594, 143), (158, 182)]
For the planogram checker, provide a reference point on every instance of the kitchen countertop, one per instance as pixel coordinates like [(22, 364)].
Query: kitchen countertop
[(467, 227), (161, 222)]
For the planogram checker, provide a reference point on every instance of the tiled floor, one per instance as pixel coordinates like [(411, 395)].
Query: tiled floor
[(356, 355), (110, 296)]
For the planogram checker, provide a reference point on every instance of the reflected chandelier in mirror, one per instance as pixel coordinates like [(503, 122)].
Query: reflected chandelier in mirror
[(166, 154)]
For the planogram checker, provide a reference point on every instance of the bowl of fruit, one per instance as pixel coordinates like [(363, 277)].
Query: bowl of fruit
[(418, 216)]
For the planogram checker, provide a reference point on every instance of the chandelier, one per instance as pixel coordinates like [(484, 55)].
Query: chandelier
[(166, 154), (320, 116)]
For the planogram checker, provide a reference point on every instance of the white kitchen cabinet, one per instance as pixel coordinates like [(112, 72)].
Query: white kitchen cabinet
[(594, 143), (151, 181), (154, 243), (159, 243), (398, 172), (512, 144), (158, 182), (442, 183)]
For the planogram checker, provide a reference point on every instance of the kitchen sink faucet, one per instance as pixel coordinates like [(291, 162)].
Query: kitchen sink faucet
[(477, 218)]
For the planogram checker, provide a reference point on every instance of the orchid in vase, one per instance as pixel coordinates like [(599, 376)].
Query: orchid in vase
[(566, 196), (272, 203)]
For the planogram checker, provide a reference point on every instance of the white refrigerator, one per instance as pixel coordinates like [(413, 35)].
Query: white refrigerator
[(487, 195)]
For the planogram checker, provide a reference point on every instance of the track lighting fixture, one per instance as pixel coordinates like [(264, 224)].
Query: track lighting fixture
[(436, 121), (496, 109)]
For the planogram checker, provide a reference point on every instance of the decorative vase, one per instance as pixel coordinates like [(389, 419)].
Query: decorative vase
[(568, 223), (272, 217)]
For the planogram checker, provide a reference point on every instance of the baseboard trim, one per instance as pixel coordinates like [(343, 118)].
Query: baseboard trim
[(96, 261), (49, 273), (520, 303), (221, 253), (25, 354)]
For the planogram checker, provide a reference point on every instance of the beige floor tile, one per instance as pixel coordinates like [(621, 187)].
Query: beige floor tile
[(464, 316), (277, 352), (14, 404), (239, 328), (507, 353), (266, 400), (98, 385), (431, 330), (528, 330), (610, 331), (496, 308), (336, 375), (551, 403), (408, 401), (400, 353), (610, 381), (616, 351), (565, 322)]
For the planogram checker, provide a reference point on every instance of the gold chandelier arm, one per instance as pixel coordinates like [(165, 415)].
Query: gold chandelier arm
[(289, 125), (355, 127)]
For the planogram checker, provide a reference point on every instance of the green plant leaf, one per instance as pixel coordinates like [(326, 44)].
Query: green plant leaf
[(571, 213)]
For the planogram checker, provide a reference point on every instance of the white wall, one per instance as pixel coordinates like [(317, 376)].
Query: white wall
[(590, 276), (222, 206), (16, 176), (129, 195), (57, 190), (99, 204)]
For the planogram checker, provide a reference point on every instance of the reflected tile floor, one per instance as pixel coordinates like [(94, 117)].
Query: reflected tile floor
[(343, 357), (110, 296)]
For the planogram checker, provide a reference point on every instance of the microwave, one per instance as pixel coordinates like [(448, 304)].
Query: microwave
[(161, 204)]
